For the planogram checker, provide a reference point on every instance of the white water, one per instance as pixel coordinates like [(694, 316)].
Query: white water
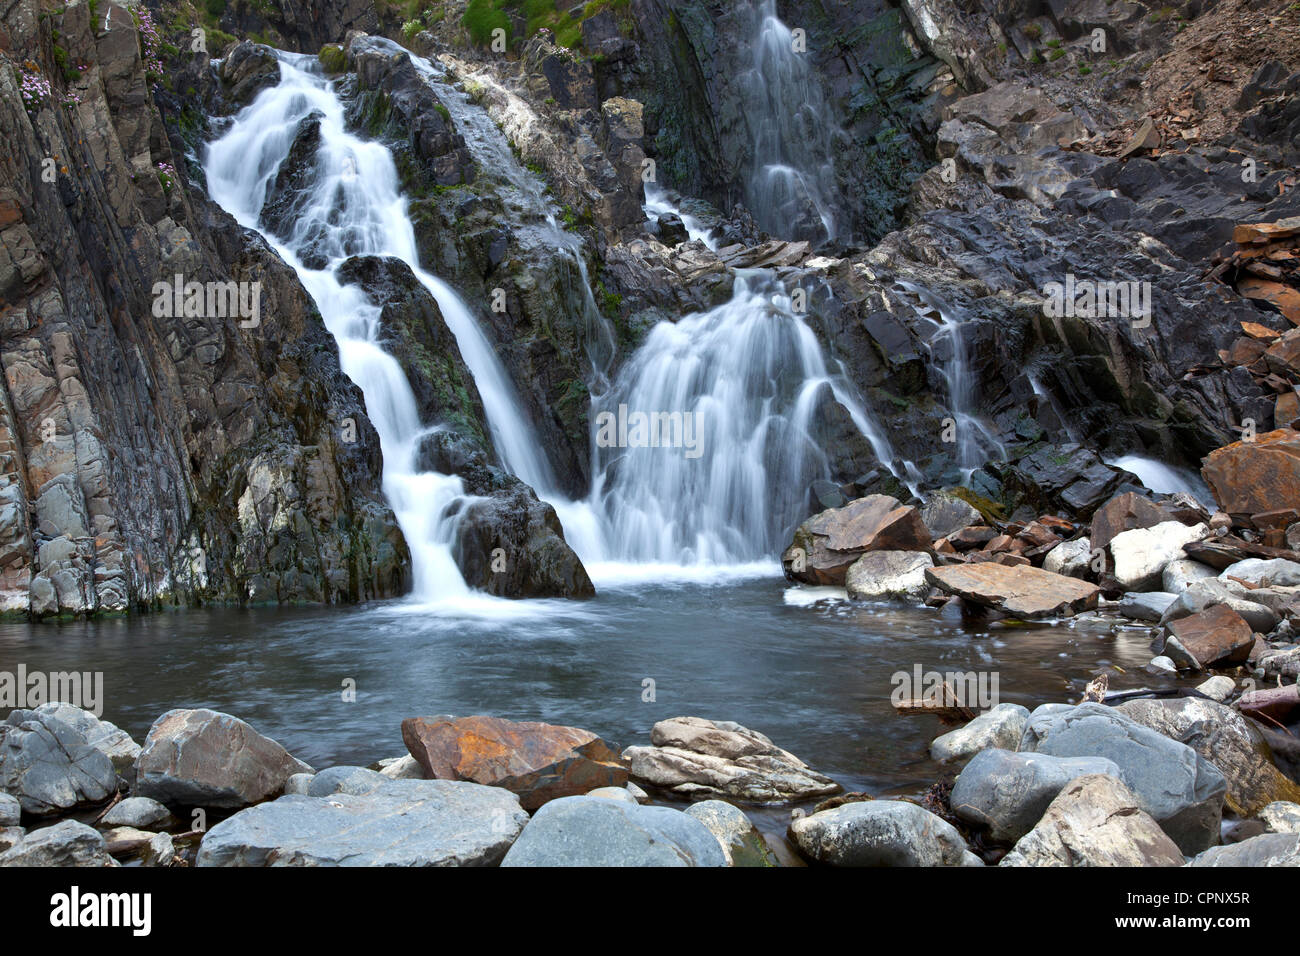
[(657, 204), (355, 205), (792, 181), (1164, 479)]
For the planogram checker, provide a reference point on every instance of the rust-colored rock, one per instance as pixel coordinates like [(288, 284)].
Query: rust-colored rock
[(537, 761), (1022, 591), (1124, 513), (1248, 477), (826, 544), (1283, 297), (1217, 635)]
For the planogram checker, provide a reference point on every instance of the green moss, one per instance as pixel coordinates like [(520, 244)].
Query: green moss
[(332, 59)]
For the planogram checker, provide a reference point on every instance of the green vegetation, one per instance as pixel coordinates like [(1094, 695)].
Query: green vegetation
[(215, 7), (1056, 55), (410, 28), (1084, 69), (332, 58), (482, 17), (1033, 31)]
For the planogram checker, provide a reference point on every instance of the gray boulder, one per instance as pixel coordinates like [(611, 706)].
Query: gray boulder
[(943, 515), (1148, 606), (109, 739), (888, 575), (1008, 793), (1201, 595), (11, 810), (354, 780), (1071, 558), (1281, 817), (67, 843), (592, 831), (10, 837), (1273, 572), (1181, 574), (1140, 555), (739, 838), (1266, 849), (208, 759), (881, 833), (1095, 821), (139, 812), (48, 765), (401, 823), (1003, 726), (1182, 790)]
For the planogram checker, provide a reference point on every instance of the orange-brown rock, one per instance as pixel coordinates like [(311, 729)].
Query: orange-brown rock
[(537, 761), (1021, 591), (1248, 477), (1287, 409), (826, 544), (1277, 294), (1123, 513), (1217, 635)]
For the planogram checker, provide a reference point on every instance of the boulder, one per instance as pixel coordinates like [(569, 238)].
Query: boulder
[(1123, 513), (826, 544), (1182, 790), (1182, 573), (590, 831), (1149, 606), (622, 794), (1219, 687), (67, 843), (399, 823), (353, 780), (739, 838), (140, 813), (1205, 594), (1248, 477), (109, 739), (1281, 817), (880, 833), (1003, 726), (1141, 554), (885, 575), (1071, 558), (11, 810), (1227, 740), (49, 766), (1023, 592), (693, 757), (947, 514), (1095, 821), (1266, 849), (537, 761), (209, 759), (404, 767), (10, 837), (1215, 636), (1007, 793), (1265, 573)]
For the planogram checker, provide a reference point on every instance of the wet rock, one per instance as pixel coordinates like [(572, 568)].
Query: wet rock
[(947, 514), (1182, 790), (880, 833), (400, 823), (1216, 636), (885, 575), (141, 813), (109, 739), (537, 761), (1141, 554), (1095, 821), (1067, 479), (1266, 849), (1122, 513), (67, 843), (1281, 817), (1001, 727), (1071, 558), (1254, 476), (209, 759), (693, 757), (1007, 793), (1144, 607), (1182, 573), (827, 544), (1211, 592), (1162, 665), (738, 837), (49, 766), (11, 810), (248, 69), (590, 831), (1218, 688), (1022, 592), (1275, 572), (1227, 740)]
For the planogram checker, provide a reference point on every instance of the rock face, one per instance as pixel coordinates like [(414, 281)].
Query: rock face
[(1256, 476), (827, 544), (1007, 793), (693, 757), (1023, 591), (49, 766), (1215, 636), (884, 575), (398, 823), (1003, 726), (109, 739), (880, 833), (1266, 849), (208, 759), (592, 831), (67, 843), (11, 810), (1177, 786), (1224, 738), (539, 762), (1095, 821)]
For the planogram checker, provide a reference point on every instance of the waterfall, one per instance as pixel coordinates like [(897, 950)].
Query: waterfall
[(355, 207), (791, 189)]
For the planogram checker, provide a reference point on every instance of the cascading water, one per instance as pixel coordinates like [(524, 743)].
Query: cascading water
[(791, 189), (355, 208)]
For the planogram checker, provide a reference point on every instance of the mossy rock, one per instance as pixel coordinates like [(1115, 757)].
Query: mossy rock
[(332, 59)]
